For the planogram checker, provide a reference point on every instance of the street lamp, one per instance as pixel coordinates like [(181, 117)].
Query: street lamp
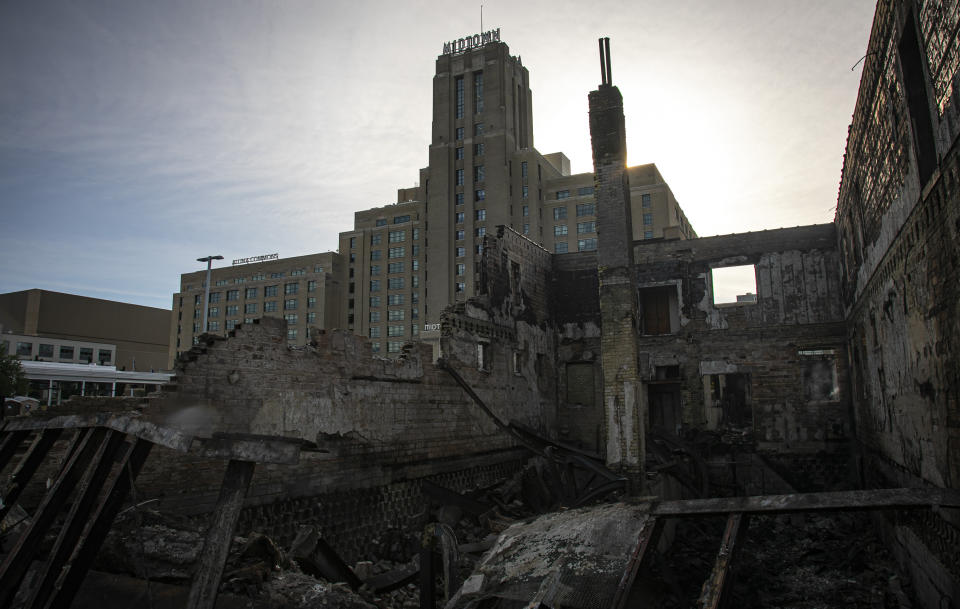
[(206, 292)]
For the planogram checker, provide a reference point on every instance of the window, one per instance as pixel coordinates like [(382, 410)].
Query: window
[(461, 252), (458, 96), (46, 350), (586, 227), (233, 309), (395, 267), (241, 280), (401, 219), (257, 277), (459, 234), (586, 209), (478, 149), (459, 217), (479, 194), (233, 295), (658, 310), (24, 349), (250, 307), (459, 133), (376, 239), (318, 268), (648, 218), (291, 288), (461, 269), (311, 317), (375, 330), (312, 285), (375, 255), (560, 247), (353, 242), (395, 283), (212, 326), (481, 214), (648, 234), (381, 222), (198, 300), (374, 285), (291, 318), (374, 301), (461, 287), (481, 231), (396, 252), (415, 281), (297, 272), (559, 213), (289, 304), (526, 229), (414, 328), (311, 302), (103, 356), (67, 352), (479, 173), (248, 320), (415, 237), (477, 129), (214, 297), (291, 334), (374, 270), (560, 230), (414, 297), (213, 312), (477, 92), (375, 347), (525, 191), (230, 324), (458, 177), (395, 315), (395, 299), (394, 346), (523, 168), (482, 363), (271, 290), (563, 194), (458, 198), (394, 330), (526, 210), (276, 275), (585, 190), (734, 284), (645, 200), (397, 236), (587, 245), (270, 306), (458, 153)]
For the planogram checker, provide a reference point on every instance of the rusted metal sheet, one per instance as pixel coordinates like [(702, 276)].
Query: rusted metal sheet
[(213, 557), (807, 502), (717, 585)]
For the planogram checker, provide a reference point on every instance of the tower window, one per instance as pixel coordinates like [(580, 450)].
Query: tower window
[(478, 92), (458, 85)]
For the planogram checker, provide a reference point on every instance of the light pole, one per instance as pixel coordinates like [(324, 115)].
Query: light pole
[(206, 291)]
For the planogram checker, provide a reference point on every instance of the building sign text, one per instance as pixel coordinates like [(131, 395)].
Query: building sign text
[(256, 259), (470, 42)]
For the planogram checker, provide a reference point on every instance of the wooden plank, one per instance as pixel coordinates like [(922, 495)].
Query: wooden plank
[(206, 581), (98, 525), (28, 545), (131, 424), (646, 542), (717, 585), (90, 487), (9, 445), (27, 467), (807, 502)]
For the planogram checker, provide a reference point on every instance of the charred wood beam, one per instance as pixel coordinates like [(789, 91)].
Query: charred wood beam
[(129, 423), (213, 557), (640, 558), (808, 502), (28, 464), (28, 545), (90, 487), (9, 444), (716, 588), (98, 525)]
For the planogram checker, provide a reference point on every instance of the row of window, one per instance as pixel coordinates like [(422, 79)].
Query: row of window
[(394, 315), (393, 330), (394, 299), (251, 307), (249, 293), (583, 245), (396, 220), (25, 349), (213, 325), (582, 191), (395, 283), (397, 236), (583, 209), (394, 252), (393, 346), (560, 230), (394, 267)]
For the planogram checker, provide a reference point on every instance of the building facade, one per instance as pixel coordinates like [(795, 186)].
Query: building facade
[(305, 291), (56, 327)]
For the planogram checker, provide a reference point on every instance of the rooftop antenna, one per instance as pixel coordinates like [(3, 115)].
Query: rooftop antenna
[(481, 18), (606, 74)]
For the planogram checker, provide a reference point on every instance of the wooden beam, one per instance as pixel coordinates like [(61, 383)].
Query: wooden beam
[(809, 502), (640, 557), (717, 585), (28, 465), (236, 482)]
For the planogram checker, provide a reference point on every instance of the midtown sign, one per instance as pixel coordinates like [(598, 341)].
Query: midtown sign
[(470, 42)]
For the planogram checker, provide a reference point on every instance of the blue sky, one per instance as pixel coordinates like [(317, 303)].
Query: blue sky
[(137, 136)]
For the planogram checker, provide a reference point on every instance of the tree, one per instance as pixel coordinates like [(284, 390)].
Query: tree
[(12, 379)]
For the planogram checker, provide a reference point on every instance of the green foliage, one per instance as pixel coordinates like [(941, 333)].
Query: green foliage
[(12, 379)]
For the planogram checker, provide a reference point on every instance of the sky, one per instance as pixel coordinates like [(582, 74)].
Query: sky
[(137, 136)]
